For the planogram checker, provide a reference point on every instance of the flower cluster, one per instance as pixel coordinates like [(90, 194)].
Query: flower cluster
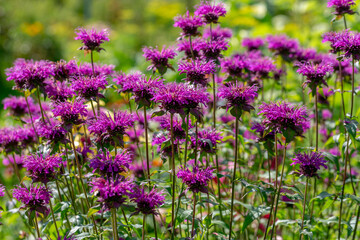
[(70, 112), (89, 87), (188, 24), (147, 202), (207, 140), (197, 71), (210, 13), (315, 73), (35, 198), (253, 43), (342, 7), (91, 39), (197, 179), (109, 165), (18, 107), (42, 168), (309, 163), (52, 131), (159, 59)]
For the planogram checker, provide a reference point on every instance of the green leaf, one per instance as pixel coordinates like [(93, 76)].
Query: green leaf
[(158, 114), (351, 126), (253, 214), (92, 211)]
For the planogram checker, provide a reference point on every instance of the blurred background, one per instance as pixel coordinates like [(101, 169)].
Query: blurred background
[(44, 29)]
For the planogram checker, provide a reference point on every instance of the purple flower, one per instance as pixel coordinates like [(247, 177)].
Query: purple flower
[(99, 69), (175, 97), (217, 33), (207, 140), (309, 163), (89, 87), (110, 129), (238, 97), (212, 49), (197, 71), (70, 112), (261, 67), (315, 73), (234, 66), (179, 131), (159, 59), (305, 54), (253, 43), (58, 90), (2, 190), (142, 87), (14, 139), (30, 74), (53, 131), (35, 198), (282, 116), (333, 38), (107, 164), (42, 168), (283, 46), (147, 202), (91, 39), (349, 43), (17, 106), (188, 24), (112, 192), (184, 46), (263, 135), (197, 179), (166, 150), (341, 6), (64, 70), (210, 13)]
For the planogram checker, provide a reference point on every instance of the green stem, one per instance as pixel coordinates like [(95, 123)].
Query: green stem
[(37, 226), (143, 229), (193, 216), (356, 223), (233, 177), (41, 109), (31, 118), (172, 175), (304, 206), (113, 216), (52, 214), (186, 138), (126, 221)]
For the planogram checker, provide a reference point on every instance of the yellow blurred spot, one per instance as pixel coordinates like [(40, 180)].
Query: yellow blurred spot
[(32, 29)]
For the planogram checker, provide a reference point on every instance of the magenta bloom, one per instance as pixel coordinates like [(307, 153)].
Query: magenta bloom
[(110, 129), (58, 91), (159, 59), (197, 71), (147, 202), (238, 97), (315, 73), (184, 46), (188, 24), (212, 49), (207, 140), (341, 6), (179, 127), (53, 131), (253, 43), (210, 13), (91, 39), (263, 135), (30, 74), (109, 165), (234, 66), (197, 179), (35, 198), (14, 139), (349, 43), (126, 80), (282, 117), (334, 38), (261, 67), (17, 106), (42, 168), (283, 46), (112, 192), (64, 70), (305, 54), (217, 33), (99, 69), (89, 87), (2, 190), (70, 112), (309, 163), (175, 97), (143, 88)]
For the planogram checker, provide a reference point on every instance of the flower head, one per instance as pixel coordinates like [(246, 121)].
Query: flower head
[(283, 46), (305, 54), (253, 43), (175, 97), (112, 192), (159, 59), (263, 135), (110, 129), (147, 202), (234, 66), (18, 107), (192, 51), (91, 38), (210, 13), (99, 69), (52, 131), (34, 198), (282, 116), (64, 70), (70, 112), (212, 49), (188, 24), (197, 71), (2, 190), (315, 73), (107, 164), (42, 168), (341, 6), (58, 90), (178, 130), (197, 179), (309, 163), (14, 139), (89, 87), (207, 140), (260, 67), (238, 97), (30, 74), (348, 42)]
